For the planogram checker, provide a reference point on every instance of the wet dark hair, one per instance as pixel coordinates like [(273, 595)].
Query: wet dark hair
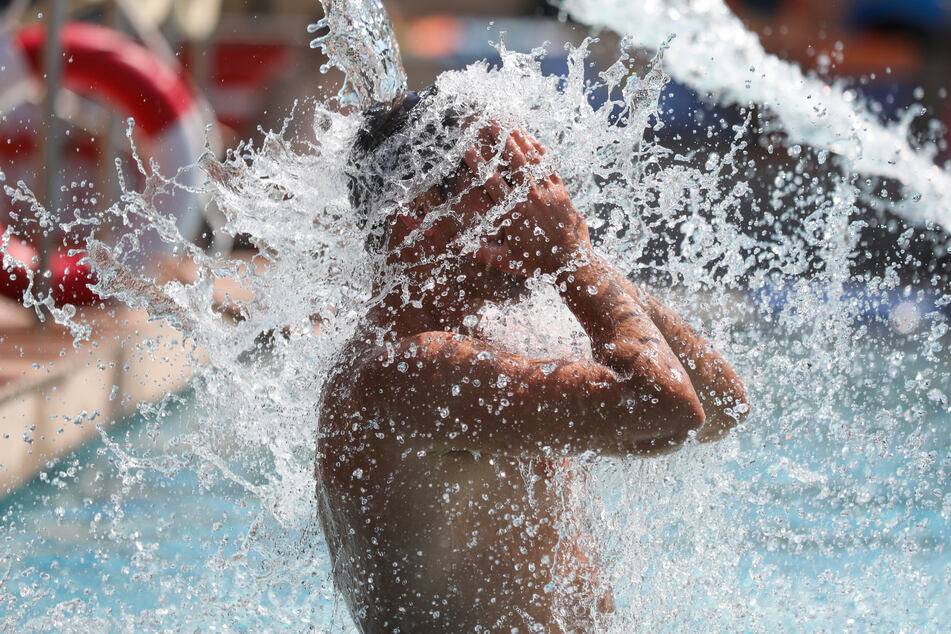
[(366, 174)]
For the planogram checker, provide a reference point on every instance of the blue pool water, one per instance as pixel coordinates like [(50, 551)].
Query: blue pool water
[(147, 549), (830, 536)]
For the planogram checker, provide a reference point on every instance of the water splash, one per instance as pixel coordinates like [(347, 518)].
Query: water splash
[(357, 37), (828, 507), (716, 55)]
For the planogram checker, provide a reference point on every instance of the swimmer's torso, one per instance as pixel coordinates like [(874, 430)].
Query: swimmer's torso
[(441, 542)]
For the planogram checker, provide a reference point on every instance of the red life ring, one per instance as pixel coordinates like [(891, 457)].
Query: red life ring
[(70, 274), (13, 278), (107, 66)]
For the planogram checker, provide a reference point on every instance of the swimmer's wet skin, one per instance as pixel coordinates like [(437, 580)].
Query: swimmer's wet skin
[(430, 522)]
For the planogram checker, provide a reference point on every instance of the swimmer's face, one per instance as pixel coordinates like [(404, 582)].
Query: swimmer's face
[(470, 203)]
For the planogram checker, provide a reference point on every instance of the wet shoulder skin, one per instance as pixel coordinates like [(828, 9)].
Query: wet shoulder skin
[(441, 509)]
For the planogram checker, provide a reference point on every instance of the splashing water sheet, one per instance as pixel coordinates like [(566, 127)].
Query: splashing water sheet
[(716, 55), (827, 509)]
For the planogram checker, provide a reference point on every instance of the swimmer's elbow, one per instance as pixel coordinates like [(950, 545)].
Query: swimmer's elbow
[(727, 410), (676, 416), (687, 416)]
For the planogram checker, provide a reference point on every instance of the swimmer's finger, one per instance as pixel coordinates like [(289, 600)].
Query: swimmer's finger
[(490, 138), (476, 160), (497, 188), (492, 130), (528, 149), (518, 162), (491, 254), (473, 159), (488, 150), (534, 151), (501, 161), (536, 144), (541, 149)]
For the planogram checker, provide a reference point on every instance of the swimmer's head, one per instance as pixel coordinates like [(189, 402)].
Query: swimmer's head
[(393, 151), (412, 152)]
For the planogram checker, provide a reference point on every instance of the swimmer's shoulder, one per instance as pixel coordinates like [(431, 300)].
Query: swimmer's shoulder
[(353, 380), (392, 376)]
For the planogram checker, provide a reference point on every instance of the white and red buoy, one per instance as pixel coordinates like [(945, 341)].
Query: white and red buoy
[(111, 68)]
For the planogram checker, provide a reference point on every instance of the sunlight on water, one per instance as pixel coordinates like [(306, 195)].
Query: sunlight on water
[(828, 508)]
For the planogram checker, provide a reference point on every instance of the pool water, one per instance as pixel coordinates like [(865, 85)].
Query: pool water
[(825, 536), (98, 544)]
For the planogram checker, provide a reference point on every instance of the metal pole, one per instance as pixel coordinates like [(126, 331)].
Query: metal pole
[(113, 135), (53, 146)]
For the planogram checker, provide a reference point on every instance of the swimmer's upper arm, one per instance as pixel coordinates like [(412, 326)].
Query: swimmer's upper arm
[(458, 392)]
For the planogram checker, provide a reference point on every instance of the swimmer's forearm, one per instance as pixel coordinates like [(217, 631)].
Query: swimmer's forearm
[(720, 389), (623, 336), (606, 311), (625, 340)]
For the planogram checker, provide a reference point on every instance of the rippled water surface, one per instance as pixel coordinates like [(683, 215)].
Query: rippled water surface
[(841, 536)]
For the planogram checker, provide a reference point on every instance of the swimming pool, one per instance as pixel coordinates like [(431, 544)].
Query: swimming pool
[(817, 533), (90, 544)]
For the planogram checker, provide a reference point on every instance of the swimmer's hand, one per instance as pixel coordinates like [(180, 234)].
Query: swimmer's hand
[(544, 231)]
